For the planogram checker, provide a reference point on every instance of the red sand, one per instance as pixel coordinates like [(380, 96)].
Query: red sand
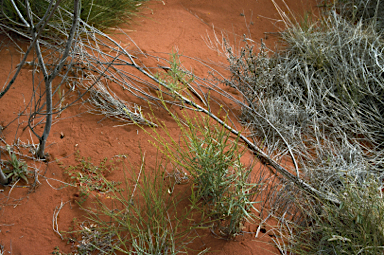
[(26, 215)]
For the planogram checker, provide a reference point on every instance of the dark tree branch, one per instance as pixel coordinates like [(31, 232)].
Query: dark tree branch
[(43, 22), (49, 78)]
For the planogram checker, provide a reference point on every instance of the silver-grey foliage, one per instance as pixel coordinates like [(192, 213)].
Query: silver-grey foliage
[(321, 98), (323, 94)]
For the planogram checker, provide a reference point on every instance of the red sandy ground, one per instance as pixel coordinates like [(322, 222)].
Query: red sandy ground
[(26, 217)]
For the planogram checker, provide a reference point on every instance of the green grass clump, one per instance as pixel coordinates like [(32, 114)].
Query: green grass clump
[(101, 14), (222, 181), (211, 158)]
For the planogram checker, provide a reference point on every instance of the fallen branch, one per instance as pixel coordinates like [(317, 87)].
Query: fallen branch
[(54, 218)]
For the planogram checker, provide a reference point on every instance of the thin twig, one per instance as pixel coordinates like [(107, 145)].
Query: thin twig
[(55, 224)]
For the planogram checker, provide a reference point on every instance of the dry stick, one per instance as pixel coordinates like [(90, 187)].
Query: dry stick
[(9, 193), (55, 225), (264, 158), (138, 178), (225, 94), (20, 15), (259, 153), (65, 183)]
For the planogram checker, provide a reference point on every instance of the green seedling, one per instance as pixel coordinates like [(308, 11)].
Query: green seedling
[(15, 168), (90, 178)]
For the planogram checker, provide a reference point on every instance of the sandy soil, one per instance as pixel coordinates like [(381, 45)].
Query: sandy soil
[(183, 25)]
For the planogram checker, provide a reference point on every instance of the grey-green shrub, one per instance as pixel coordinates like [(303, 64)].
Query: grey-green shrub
[(326, 84), (320, 96)]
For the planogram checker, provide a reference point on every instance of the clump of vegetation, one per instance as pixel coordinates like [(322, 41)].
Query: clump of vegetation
[(212, 160), (211, 157), (319, 97), (90, 178), (321, 94), (15, 168), (98, 13), (142, 218), (353, 227)]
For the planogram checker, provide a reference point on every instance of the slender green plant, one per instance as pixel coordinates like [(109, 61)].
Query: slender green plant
[(176, 79), (211, 157), (212, 160)]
